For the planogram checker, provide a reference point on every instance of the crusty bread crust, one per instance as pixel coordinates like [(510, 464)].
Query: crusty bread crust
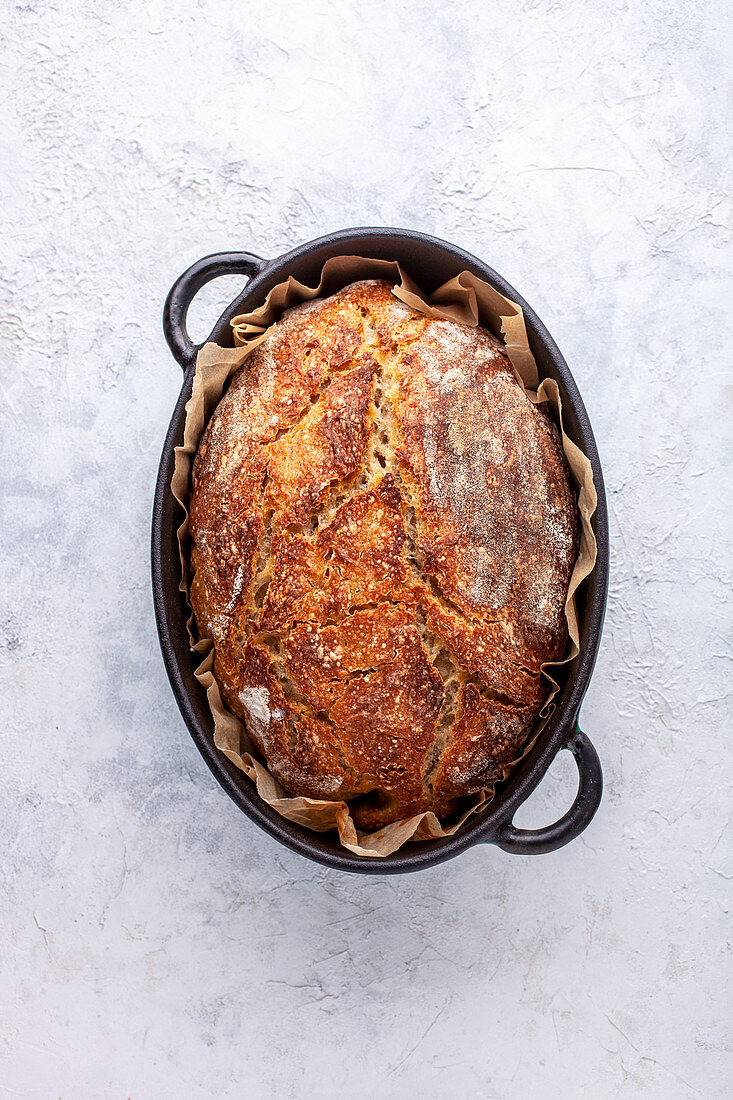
[(383, 532)]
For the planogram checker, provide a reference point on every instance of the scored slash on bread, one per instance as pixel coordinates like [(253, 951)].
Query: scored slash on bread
[(383, 532)]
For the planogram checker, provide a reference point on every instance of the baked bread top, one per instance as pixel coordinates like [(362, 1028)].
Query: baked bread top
[(383, 532)]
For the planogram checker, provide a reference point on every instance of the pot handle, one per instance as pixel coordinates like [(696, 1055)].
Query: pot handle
[(531, 842), (187, 286)]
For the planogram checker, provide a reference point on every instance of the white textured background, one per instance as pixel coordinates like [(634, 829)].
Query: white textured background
[(154, 942)]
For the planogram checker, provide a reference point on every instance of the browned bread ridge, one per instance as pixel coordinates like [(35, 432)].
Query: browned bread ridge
[(383, 532)]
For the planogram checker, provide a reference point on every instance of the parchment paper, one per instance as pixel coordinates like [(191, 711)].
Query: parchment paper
[(465, 299)]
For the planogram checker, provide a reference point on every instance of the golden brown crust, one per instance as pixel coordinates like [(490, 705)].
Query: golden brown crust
[(483, 647), (327, 446), (357, 559), (484, 738), (383, 532)]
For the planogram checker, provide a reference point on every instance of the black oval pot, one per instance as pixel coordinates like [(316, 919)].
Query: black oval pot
[(430, 262)]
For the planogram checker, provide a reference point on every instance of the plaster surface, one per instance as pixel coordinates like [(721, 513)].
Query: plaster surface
[(154, 942)]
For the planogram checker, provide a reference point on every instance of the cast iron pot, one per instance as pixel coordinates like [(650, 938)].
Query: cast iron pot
[(430, 262)]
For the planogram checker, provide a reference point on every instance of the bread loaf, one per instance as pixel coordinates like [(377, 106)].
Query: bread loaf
[(383, 532)]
